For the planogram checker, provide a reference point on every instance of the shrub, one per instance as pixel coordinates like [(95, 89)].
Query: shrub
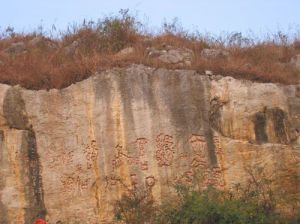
[(136, 206), (255, 202)]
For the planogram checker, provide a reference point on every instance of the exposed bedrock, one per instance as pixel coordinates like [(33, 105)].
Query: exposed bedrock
[(66, 155)]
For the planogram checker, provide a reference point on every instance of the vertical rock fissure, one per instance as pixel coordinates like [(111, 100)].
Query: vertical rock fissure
[(278, 117), (16, 118), (260, 127), (3, 210), (33, 188)]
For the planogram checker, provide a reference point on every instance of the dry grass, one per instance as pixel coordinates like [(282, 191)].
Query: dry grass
[(46, 67)]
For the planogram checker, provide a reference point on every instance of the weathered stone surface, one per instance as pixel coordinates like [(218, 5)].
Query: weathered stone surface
[(70, 49), (170, 55), (295, 61), (15, 48), (125, 52), (67, 154), (42, 42), (214, 53)]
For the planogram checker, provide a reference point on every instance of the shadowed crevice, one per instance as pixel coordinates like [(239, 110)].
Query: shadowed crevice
[(260, 127), (16, 118), (33, 187)]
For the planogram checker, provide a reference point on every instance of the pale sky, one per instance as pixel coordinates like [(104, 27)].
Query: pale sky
[(213, 16)]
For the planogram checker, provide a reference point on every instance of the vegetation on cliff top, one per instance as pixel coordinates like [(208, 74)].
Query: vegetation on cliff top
[(38, 61)]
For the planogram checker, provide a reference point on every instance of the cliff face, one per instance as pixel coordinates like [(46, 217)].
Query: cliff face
[(68, 154)]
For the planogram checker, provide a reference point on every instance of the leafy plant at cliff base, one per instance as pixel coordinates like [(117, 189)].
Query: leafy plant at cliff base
[(135, 207), (255, 202)]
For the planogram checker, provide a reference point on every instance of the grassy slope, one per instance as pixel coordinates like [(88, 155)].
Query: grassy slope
[(44, 67)]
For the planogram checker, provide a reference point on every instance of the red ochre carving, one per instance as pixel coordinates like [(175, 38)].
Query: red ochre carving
[(91, 154), (199, 147), (144, 165), (186, 178), (165, 150), (141, 142), (55, 160), (111, 181), (70, 184), (183, 156), (209, 176), (214, 177), (150, 181), (121, 157), (218, 148)]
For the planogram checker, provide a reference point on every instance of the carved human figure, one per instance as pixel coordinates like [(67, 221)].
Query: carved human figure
[(91, 153), (165, 150), (119, 155), (141, 142)]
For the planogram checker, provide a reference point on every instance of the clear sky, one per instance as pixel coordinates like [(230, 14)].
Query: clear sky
[(213, 16)]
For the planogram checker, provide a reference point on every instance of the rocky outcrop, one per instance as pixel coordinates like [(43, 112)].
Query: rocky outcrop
[(66, 155), (39, 41), (15, 48), (170, 55), (214, 53), (295, 61)]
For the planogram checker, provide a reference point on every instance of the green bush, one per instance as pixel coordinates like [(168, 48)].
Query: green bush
[(258, 201), (135, 207), (118, 31), (212, 206)]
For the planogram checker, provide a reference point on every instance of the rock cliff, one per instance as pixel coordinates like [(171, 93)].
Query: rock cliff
[(68, 154)]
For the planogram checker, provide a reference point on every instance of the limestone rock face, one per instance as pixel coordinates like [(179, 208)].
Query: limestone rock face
[(66, 155)]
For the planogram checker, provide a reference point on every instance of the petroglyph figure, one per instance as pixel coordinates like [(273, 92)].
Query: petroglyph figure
[(91, 154), (144, 165), (111, 181), (186, 178), (218, 148), (150, 181), (73, 184), (213, 177), (121, 156), (165, 150), (199, 147), (141, 142), (218, 177), (118, 156)]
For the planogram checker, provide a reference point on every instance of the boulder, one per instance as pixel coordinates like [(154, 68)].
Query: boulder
[(295, 61), (214, 53), (170, 55), (125, 52), (15, 48), (40, 41), (70, 49)]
